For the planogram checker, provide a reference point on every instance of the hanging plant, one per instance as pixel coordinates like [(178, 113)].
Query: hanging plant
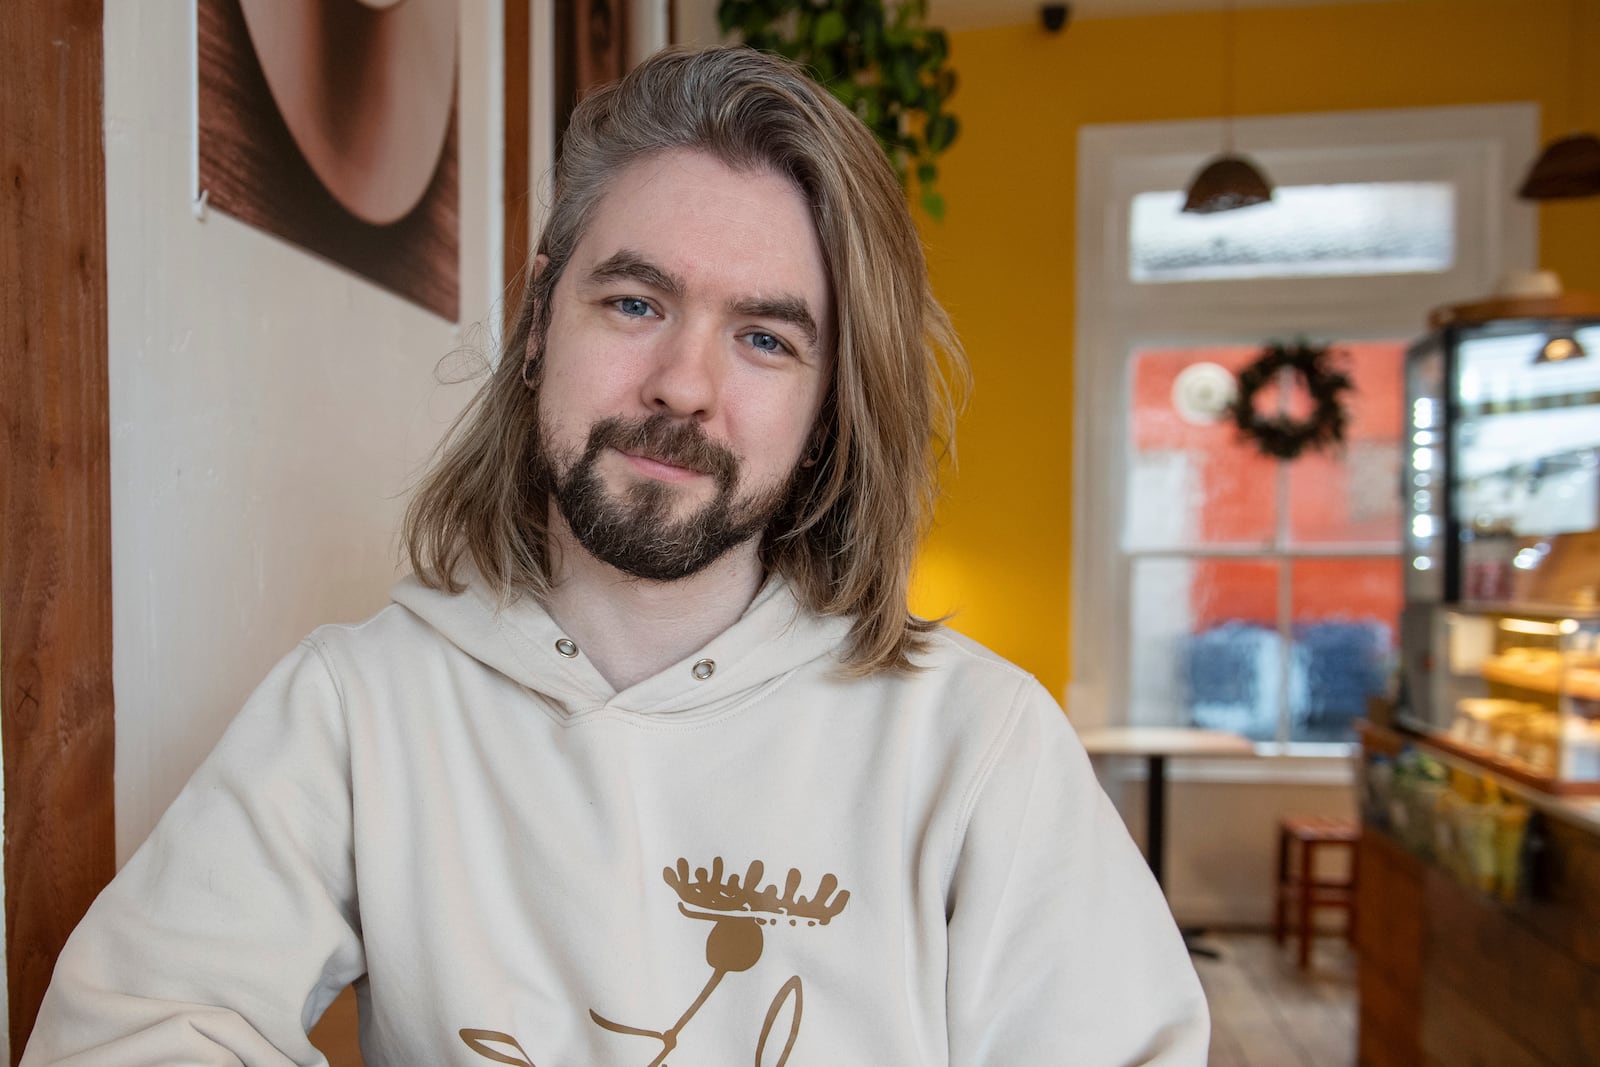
[(1277, 434), (876, 57)]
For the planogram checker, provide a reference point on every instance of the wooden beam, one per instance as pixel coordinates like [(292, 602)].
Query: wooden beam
[(55, 489), (517, 173)]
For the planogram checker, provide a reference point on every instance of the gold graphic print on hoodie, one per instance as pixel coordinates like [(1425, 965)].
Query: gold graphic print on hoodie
[(737, 910)]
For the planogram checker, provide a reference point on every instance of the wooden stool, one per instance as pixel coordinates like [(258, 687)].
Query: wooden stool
[(1299, 884)]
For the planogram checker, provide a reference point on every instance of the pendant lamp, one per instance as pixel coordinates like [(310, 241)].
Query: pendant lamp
[(1229, 181), (1560, 347), (1569, 166)]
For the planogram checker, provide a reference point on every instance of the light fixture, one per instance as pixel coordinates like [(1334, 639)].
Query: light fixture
[(1229, 181), (1561, 346), (1226, 183), (1569, 166)]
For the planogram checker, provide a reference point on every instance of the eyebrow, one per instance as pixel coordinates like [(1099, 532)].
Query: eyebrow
[(627, 264), (790, 309)]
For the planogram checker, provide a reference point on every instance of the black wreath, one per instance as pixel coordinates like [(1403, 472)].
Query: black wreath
[(1279, 435)]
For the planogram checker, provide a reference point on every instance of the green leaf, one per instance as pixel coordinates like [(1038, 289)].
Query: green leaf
[(830, 28), (905, 76), (879, 58), (942, 131)]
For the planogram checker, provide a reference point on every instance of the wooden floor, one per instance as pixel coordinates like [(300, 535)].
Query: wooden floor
[(1266, 1012)]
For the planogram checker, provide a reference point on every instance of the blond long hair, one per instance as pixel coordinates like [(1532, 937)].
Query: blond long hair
[(847, 538)]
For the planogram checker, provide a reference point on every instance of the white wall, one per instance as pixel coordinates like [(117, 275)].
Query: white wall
[(267, 410), (696, 22), (1222, 825)]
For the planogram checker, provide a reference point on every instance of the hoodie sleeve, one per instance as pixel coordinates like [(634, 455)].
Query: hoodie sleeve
[(234, 925), (1062, 948)]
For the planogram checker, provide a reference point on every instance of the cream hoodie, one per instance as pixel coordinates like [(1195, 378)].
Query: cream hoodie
[(748, 858)]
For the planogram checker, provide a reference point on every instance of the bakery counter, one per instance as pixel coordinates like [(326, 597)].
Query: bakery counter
[(1478, 913)]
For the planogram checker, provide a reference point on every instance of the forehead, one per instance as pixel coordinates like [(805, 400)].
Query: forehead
[(728, 234)]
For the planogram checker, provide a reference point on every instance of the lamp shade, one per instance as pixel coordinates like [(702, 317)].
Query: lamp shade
[(1569, 167), (1561, 347), (1227, 183)]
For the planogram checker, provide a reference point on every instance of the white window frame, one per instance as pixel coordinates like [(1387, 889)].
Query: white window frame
[(1481, 149)]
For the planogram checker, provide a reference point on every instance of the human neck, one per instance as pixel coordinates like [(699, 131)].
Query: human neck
[(631, 628)]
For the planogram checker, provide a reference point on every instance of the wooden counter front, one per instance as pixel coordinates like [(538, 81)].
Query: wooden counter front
[(1450, 976), (1389, 909)]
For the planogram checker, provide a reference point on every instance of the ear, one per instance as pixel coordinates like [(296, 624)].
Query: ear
[(815, 443), (540, 262)]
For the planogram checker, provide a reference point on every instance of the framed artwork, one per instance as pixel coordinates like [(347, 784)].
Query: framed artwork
[(593, 41), (332, 125)]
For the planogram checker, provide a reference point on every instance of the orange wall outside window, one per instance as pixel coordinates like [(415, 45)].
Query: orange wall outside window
[(1242, 510)]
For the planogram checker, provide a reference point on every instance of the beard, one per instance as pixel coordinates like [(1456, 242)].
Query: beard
[(635, 530)]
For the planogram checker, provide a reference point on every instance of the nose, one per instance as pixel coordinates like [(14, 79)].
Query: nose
[(684, 375)]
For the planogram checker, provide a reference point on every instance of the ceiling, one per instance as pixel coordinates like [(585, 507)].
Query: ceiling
[(973, 14)]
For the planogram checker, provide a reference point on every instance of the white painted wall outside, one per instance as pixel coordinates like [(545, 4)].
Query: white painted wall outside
[(267, 409)]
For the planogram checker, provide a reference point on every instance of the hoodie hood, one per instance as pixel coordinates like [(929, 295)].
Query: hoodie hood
[(774, 636)]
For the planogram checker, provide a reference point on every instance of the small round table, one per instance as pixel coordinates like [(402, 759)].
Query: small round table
[(1157, 744)]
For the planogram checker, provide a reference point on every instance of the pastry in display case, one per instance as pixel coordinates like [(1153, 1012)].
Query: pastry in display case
[(1500, 634), (1522, 693)]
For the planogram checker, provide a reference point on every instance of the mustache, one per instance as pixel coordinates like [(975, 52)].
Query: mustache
[(667, 440)]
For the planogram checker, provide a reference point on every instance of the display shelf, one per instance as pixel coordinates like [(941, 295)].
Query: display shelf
[(1530, 404), (1580, 682), (1480, 759), (1578, 808)]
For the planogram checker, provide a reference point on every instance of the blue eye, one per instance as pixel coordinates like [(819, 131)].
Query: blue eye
[(766, 342), (633, 307)]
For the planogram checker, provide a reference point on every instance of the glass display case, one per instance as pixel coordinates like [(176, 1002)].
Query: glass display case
[(1500, 633), (1522, 692)]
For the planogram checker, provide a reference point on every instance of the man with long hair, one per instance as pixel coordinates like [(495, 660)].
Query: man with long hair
[(649, 760)]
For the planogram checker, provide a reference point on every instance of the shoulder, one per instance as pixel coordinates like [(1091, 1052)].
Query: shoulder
[(954, 660), (969, 693), (392, 631), (390, 652), (949, 649)]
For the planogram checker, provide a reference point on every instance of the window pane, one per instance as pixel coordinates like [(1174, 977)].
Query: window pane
[(1305, 231), (1206, 650), (1352, 495), (1191, 485), (1345, 614)]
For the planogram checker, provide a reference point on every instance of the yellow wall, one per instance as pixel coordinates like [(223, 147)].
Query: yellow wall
[(1003, 258)]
